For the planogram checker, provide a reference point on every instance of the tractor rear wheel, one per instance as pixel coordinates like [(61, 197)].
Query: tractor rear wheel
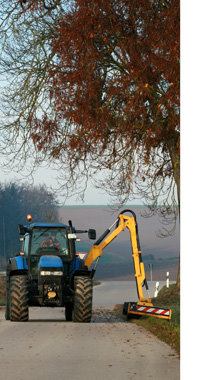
[(19, 298), (82, 310)]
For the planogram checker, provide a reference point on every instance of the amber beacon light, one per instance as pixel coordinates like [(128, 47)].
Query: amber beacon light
[(29, 217)]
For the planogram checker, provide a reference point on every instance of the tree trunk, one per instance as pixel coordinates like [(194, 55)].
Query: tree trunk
[(175, 157)]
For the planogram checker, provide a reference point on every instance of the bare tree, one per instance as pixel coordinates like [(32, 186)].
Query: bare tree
[(94, 88)]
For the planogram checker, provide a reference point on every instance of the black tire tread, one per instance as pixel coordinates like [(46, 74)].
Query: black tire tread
[(82, 311), (18, 298)]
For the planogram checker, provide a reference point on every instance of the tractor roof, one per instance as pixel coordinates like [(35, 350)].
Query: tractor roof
[(27, 228), (47, 225)]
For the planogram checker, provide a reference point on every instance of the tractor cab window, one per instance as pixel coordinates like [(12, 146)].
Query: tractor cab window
[(47, 240), (26, 244)]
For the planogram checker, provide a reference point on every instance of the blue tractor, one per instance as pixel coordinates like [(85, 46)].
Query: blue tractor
[(48, 272)]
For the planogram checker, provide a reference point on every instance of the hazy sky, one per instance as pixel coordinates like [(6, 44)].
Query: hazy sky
[(48, 177)]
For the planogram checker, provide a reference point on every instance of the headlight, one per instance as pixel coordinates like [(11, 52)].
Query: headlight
[(51, 273)]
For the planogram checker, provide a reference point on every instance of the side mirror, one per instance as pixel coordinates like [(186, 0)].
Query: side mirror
[(22, 229), (92, 234)]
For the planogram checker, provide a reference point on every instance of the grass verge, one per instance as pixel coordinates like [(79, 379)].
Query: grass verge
[(167, 331)]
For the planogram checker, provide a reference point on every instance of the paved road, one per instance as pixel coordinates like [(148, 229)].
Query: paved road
[(118, 292), (49, 348)]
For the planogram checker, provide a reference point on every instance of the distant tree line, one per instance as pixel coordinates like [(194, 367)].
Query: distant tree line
[(16, 201)]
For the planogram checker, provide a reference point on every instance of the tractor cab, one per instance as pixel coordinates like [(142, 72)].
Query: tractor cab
[(46, 239)]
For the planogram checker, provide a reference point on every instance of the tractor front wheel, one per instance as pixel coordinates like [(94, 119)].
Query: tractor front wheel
[(19, 298), (82, 310)]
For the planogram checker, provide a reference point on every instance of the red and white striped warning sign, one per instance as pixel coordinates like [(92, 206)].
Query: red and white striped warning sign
[(152, 310), (134, 309)]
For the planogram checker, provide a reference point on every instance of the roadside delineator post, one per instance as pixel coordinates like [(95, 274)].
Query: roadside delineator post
[(157, 289), (167, 279)]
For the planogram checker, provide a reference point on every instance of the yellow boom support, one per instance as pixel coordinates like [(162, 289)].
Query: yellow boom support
[(144, 305)]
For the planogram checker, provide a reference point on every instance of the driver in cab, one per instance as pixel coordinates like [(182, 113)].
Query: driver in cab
[(51, 242)]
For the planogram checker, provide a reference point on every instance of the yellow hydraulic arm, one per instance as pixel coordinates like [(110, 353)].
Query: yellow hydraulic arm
[(121, 223), (124, 221)]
